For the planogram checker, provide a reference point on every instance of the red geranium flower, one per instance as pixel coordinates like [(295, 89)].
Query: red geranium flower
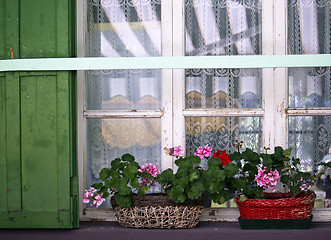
[(223, 156)]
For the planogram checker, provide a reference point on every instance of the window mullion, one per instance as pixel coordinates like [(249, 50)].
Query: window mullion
[(167, 79), (178, 74), (280, 85), (267, 74)]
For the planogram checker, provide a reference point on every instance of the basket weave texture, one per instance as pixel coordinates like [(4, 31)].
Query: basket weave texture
[(158, 211), (277, 208)]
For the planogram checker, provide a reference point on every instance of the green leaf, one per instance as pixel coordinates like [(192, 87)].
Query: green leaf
[(214, 162), (236, 156), (287, 152), (183, 181), (130, 171), (116, 163), (104, 174), (113, 173), (220, 197), (134, 183), (166, 177), (176, 194), (188, 162), (285, 179), (295, 161), (267, 161), (231, 170), (122, 186), (214, 187), (193, 194), (97, 185), (128, 158), (108, 183), (105, 195), (196, 190), (295, 189), (123, 200), (194, 175), (252, 157), (141, 192), (251, 169)]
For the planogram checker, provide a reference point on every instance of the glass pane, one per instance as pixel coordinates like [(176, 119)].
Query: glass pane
[(309, 33), (124, 90), (310, 138), (124, 29), (309, 26), (111, 138), (221, 133), (309, 87), (223, 28), (223, 88)]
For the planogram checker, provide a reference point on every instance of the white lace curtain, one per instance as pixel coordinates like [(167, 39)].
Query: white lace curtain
[(309, 33), (129, 28), (223, 28)]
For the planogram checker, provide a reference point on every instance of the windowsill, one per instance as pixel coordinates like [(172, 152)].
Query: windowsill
[(208, 215)]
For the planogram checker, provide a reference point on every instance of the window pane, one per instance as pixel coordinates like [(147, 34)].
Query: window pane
[(309, 87), (111, 138), (124, 29), (309, 33), (223, 28), (310, 138), (124, 90), (223, 88), (221, 133), (309, 26)]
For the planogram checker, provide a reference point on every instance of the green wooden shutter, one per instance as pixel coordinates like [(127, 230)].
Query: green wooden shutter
[(38, 166)]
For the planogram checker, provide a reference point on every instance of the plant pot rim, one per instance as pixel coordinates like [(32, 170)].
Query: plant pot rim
[(279, 199), (158, 200)]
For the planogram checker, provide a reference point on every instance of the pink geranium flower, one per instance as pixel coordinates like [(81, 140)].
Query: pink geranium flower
[(204, 152), (92, 195), (267, 179), (176, 151)]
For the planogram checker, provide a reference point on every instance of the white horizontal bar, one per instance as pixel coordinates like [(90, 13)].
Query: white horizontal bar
[(187, 62), (308, 111), (223, 112), (122, 114)]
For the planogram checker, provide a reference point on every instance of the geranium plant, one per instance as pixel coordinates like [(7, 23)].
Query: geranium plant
[(191, 180), (259, 173), (124, 178)]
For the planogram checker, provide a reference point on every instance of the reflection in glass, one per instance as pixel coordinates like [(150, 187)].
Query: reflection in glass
[(309, 33), (124, 29), (310, 138), (221, 133), (111, 138), (309, 87), (223, 28)]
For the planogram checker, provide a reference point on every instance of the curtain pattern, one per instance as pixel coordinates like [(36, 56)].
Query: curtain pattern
[(122, 28), (310, 136), (223, 27), (309, 33)]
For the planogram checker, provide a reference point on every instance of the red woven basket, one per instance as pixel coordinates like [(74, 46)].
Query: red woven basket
[(277, 208)]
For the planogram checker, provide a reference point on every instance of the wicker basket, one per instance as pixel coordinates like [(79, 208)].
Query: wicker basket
[(158, 211), (277, 207)]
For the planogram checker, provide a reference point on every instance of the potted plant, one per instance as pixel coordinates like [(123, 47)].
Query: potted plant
[(190, 180), (179, 205), (272, 190)]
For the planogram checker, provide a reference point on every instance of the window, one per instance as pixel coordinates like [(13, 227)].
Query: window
[(143, 111)]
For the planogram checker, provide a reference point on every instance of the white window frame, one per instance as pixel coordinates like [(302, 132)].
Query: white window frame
[(274, 109)]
